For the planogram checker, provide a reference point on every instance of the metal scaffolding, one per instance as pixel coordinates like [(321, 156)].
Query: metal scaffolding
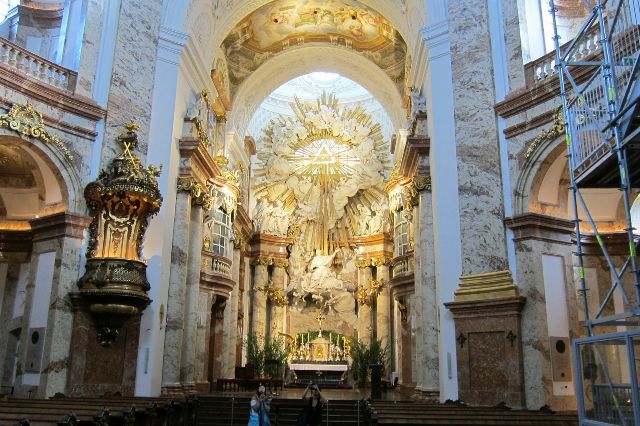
[(601, 100)]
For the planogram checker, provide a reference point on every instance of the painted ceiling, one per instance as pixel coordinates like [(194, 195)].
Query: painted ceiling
[(292, 24)]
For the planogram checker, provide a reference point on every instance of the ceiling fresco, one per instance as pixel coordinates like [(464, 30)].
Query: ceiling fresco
[(289, 24)]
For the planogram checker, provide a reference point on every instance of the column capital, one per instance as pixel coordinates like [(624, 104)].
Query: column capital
[(189, 184), (422, 183), (204, 200), (262, 261)]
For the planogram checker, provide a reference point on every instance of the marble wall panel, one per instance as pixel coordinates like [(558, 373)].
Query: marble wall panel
[(134, 61), (172, 359), (96, 370), (535, 339), (479, 181)]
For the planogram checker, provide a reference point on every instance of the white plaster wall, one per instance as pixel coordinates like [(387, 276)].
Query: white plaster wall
[(438, 89)]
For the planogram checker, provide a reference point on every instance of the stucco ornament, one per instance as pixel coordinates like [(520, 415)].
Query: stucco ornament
[(315, 168)]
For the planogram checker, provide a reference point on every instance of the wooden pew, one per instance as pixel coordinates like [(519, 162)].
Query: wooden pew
[(113, 411), (414, 413)]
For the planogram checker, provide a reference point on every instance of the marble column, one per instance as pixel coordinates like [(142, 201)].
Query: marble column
[(383, 309), (230, 329), (194, 263), (176, 300), (364, 311), (426, 298), (202, 340), (277, 315), (259, 299)]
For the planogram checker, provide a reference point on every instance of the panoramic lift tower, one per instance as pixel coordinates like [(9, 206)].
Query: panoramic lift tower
[(600, 98)]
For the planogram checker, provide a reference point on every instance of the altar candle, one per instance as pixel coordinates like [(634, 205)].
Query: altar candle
[(329, 337)]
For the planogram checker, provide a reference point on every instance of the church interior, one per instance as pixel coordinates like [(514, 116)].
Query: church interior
[(428, 202)]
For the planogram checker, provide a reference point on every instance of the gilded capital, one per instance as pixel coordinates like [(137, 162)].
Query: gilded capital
[(422, 183), (363, 263), (280, 263), (381, 261), (185, 183), (263, 261), (204, 200)]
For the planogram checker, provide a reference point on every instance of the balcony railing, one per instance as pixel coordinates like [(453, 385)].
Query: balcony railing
[(215, 264), (542, 68), (402, 265), (21, 60)]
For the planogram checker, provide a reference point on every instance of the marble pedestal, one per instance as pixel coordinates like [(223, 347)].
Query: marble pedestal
[(96, 370), (489, 351)]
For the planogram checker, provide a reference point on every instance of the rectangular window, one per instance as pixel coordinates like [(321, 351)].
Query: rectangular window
[(221, 233)]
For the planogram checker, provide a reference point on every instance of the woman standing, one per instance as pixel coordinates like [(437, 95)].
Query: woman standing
[(260, 406), (311, 414)]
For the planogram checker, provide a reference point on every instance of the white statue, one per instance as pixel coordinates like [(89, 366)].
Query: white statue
[(418, 103), (319, 281), (273, 219), (364, 217), (259, 213), (379, 221)]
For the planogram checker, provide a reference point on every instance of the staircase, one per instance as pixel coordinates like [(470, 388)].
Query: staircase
[(224, 410)]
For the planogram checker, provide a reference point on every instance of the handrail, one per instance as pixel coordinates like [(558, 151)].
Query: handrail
[(216, 264), (544, 67), (28, 63)]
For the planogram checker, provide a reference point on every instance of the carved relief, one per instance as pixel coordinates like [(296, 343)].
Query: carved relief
[(28, 123)]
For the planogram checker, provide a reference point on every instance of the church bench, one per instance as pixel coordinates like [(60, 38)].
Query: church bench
[(413, 413), (129, 410)]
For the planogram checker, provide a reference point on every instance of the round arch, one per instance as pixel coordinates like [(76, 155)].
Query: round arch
[(59, 178), (295, 62), (543, 187)]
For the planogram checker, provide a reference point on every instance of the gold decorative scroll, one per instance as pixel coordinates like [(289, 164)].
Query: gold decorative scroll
[(28, 123), (366, 292), (275, 295), (550, 134)]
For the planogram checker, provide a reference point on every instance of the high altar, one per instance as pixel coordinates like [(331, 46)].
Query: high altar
[(320, 360)]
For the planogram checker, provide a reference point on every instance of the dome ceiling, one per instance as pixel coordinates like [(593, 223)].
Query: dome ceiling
[(290, 24), (308, 88)]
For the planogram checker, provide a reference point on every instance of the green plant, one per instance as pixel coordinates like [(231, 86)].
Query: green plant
[(362, 355), (275, 350), (255, 354), (260, 350)]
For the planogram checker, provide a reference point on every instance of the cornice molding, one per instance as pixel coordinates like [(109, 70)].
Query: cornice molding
[(171, 43), (415, 157), (529, 124), (527, 97), (197, 161), (535, 226), (59, 225)]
